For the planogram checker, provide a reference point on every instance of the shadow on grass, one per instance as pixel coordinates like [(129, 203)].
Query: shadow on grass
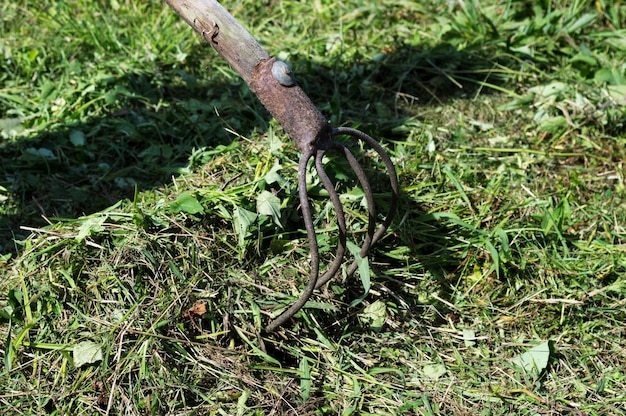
[(80, 168)]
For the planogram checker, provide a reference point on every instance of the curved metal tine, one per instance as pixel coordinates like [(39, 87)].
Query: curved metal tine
[(369, 196), (314, 280), (393, 179), (307, 217), (372, 236), (341, 221)]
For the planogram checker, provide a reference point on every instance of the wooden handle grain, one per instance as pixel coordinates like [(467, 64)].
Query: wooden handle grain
[(284, 99), (223, 32)]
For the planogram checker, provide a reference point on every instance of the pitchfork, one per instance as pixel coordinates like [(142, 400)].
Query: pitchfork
[(273, 83)]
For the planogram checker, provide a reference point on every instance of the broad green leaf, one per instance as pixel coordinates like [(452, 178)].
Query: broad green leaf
[(274, 143), (77, 138), (90, 226), (618, 93), (611, 76), (553, 124), (469, 337), (86, 352), (434, 371), (551, 89), (274, 177), (269, 204), (585, 58), (32, 55), (523, 50), (188, 203), (11, 125), (6, 312), (535, 360), (375, 314), (242, 220), (41, 152)]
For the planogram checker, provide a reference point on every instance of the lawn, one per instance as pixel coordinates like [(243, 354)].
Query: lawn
[(139, 267)]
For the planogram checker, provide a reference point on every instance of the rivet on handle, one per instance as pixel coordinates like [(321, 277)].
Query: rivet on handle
[(283, 74)]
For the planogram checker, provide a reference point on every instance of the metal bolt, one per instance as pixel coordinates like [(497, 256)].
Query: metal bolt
[(282, 73)]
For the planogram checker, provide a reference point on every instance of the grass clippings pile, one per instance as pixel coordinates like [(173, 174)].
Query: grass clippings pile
[(150, 227)]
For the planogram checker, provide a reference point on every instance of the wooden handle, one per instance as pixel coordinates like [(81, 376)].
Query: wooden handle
[(269, 79), (223, 32)]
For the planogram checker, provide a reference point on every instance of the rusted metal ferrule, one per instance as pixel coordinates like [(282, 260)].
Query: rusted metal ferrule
[(289, 105)]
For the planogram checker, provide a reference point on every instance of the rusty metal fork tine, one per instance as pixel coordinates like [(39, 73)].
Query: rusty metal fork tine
[(369, 196), (314, 279), (373, 234), (393, 179), (307, 217), (391, 172), (341, 221)]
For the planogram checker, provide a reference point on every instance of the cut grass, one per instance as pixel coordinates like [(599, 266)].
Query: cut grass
[(138, 268)]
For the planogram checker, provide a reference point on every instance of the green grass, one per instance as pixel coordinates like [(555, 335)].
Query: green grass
[(137, 273)]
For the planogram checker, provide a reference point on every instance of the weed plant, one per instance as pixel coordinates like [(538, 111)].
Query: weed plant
[(150, 227)]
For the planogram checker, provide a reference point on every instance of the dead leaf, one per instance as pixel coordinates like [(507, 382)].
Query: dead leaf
[(196, 311), (103, 398)]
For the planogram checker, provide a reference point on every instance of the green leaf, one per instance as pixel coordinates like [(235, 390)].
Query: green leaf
[(260, 353), (242, 219), (469, 337), (434, 371), (86, 352), (618, 93), (375, 314), (611, 76), (495, 257), (274, 177), (242, 409), (6, 312), (584, 58), (535, 360), (77, 138), (364, 272), (269, 204), (41, 152), (583, 21), (90, 227), (32, 55), (11, 125), (274, 143), (188, 203), (9, 353), (305, 379)]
